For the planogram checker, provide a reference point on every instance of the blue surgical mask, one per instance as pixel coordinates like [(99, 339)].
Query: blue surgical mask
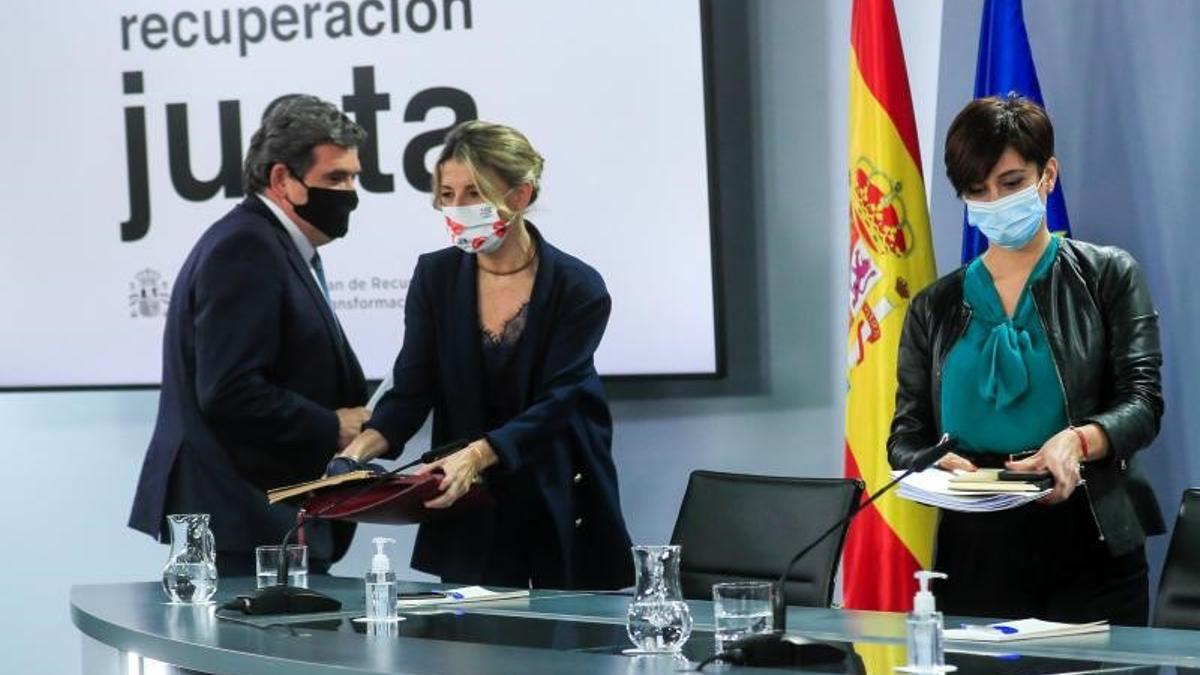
[(1010, 221)]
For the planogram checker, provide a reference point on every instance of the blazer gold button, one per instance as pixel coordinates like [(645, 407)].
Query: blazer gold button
[(578, 522), (578, 478)]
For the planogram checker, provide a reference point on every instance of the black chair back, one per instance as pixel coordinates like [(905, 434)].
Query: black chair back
[(737, 527), (1178, 604)]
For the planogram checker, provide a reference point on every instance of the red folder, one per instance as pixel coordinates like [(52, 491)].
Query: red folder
[(395, 500)]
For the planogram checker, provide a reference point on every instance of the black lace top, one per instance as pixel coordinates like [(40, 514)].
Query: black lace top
[(499, 386)]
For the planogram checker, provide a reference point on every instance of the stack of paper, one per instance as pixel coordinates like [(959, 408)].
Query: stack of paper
[(932, 487), (1025, 629)]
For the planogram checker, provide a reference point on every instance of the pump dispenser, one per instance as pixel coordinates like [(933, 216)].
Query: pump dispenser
[(924, 629), (381, 584), (923, 601)]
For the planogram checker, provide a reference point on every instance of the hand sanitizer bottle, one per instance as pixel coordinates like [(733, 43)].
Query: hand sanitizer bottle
[(924, 626), (381, 584)]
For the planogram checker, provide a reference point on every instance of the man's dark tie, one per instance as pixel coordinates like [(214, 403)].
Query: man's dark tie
[(320, 270)]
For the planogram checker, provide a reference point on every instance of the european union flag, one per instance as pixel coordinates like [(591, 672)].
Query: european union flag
[(1005, 64)]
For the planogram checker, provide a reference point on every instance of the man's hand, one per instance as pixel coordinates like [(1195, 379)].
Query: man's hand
[(350, 422)]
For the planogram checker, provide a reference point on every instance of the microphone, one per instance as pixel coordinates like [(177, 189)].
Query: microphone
[(434, 454), (284, 599), (774, 648)]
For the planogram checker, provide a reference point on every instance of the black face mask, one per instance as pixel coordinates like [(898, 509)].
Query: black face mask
[(328, 210)]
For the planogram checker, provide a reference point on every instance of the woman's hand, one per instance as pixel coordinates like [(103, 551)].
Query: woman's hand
[(461, 469), (953, 462), (366, 446), (1060, 456)]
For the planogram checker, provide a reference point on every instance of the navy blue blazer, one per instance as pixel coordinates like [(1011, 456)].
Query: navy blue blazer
[(557, 450), (254, 366)]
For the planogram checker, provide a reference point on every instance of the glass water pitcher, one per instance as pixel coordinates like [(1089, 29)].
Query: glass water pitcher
[(190, 575), (659, 621)]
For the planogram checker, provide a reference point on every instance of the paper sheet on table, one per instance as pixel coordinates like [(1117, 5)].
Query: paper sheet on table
[(456, 596), (1024, 629), (932, 488)]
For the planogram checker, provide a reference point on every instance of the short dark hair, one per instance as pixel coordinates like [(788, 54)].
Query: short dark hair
[(291, 127), (986, 127)]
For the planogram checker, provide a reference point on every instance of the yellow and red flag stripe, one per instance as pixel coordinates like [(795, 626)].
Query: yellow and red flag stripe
[(891, 258)]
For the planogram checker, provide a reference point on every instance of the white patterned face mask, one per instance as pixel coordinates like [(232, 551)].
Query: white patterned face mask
[(477, 228)]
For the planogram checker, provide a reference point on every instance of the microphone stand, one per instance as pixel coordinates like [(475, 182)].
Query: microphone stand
[(284, 599), (773, 648)]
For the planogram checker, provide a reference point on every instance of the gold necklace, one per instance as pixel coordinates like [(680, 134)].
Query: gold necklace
[(532, 256)]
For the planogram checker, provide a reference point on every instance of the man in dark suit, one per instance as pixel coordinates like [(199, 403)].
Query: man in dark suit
[(260, 386)]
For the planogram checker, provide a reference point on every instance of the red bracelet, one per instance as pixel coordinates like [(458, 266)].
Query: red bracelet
[(1083, 444)]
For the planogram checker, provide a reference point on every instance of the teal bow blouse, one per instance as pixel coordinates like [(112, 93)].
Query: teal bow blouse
[(1000, 389)]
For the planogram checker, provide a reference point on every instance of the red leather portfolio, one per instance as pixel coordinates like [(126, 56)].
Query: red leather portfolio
[(395, 500)]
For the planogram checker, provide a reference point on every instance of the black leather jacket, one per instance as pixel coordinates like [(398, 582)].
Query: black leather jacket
[(1103, 333)]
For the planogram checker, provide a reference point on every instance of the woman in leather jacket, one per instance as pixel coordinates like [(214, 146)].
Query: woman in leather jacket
[(1042, 354)]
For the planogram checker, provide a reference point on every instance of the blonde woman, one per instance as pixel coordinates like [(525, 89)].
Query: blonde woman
[(500, 331)]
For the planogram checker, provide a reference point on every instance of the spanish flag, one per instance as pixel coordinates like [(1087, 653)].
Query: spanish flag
[(891, 258)]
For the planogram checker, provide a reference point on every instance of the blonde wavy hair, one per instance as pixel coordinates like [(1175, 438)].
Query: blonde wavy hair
[(491, 151)]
